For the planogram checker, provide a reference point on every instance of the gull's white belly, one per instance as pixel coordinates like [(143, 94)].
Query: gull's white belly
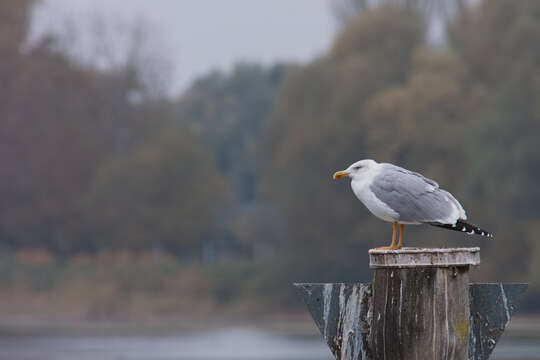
[(377, 207)]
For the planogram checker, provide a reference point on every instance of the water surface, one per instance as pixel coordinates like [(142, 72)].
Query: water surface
[(235, 343)]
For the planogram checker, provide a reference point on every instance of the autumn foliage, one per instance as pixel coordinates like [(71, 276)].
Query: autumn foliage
[(234, 176)]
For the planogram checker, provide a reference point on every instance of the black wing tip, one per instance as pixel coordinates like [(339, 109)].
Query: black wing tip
[(467, 228)]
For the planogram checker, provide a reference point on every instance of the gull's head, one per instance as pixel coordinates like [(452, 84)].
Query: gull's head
[(357, 169)]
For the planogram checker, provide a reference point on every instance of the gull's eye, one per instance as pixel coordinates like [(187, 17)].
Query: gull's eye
[(358, 167)]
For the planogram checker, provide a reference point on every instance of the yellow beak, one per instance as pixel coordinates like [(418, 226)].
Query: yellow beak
[(340, 174)]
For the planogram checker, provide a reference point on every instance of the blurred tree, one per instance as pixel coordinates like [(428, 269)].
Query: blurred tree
[(500, 43), (58, 122), (325, 120), (467, 116), (133, 47), (41, 94), (14, 23), (229, 111), (163, 195), (428, 111), (62, 119), (346, 10), (98, 158)]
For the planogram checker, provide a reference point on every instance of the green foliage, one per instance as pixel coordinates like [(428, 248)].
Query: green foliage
[(6, 269), (69, 134), (58, 123), (349, 106), (163, 194), (240, 165), (369, 47), (229, 111), (499, 42), (466, 116)]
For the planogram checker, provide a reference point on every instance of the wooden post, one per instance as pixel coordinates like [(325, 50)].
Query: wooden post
[(419, 306), (421, 303)]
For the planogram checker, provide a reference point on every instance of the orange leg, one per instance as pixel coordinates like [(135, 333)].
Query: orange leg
[(393, 245), (401, 228)]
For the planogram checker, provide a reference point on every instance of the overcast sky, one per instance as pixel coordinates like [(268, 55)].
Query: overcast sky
[(197, 36)]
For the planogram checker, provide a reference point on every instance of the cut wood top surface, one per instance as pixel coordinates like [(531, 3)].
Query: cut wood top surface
[(422, 257)]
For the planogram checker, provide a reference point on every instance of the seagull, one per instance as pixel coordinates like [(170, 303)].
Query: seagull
[(405, 197)]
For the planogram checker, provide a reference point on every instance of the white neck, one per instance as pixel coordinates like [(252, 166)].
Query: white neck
[(360, 185), (361, 182)]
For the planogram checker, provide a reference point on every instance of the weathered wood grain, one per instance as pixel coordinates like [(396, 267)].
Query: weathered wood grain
[(421, 303), (419, 257), (419, 306), (342, 314), (420, 313), (492, 305)]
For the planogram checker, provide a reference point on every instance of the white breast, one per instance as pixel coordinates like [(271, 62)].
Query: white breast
[(360, 187)]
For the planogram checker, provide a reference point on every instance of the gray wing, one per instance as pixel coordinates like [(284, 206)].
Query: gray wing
[(414, 197)]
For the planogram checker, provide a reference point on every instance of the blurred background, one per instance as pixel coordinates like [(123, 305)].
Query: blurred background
[(166, 166)]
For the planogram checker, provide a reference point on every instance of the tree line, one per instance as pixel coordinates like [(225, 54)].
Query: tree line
[(240, 165)]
